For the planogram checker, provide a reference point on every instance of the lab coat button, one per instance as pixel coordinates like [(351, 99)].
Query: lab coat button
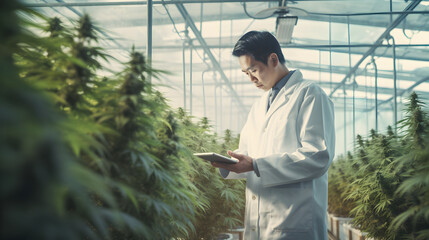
[(254, 197)]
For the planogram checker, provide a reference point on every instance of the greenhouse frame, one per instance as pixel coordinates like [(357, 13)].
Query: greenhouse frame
[(336, 44), (105, 102)]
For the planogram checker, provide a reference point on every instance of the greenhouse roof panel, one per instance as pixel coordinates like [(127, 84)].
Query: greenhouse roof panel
[(320, 44)]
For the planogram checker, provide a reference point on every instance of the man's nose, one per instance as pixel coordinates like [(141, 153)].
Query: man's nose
[(252, 78)]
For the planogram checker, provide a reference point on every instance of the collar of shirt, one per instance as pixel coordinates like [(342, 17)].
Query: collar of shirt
[(280, 84)]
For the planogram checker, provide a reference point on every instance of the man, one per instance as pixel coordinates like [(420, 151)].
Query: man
[(286, 147)]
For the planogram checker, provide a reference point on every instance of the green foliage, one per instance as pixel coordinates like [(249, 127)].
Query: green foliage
[(373, 190), (385, 181), (337, 185), (45, 193), (113, 161), (415, 165), (64, 67), (223, 200), (145, 156)]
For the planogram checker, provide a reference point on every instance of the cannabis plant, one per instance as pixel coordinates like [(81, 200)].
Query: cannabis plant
[(80, 74), (388, 184), (145, 155), (111, 126), (144, 180), (339, 173), (374, 187), (415, 163), (223, 199), (45, 192), (63, 62)]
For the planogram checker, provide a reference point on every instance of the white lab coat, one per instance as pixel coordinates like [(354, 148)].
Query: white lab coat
[(293, 145)]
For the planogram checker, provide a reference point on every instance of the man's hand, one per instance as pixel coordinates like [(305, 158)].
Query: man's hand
[(245, 163)]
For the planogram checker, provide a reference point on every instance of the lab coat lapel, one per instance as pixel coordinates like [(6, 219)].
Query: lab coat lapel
[(262, 108), (283, 96)]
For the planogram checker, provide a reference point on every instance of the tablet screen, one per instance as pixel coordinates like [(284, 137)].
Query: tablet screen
[(214, 157)]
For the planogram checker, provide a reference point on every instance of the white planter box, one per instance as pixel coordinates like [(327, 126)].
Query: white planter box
[(335, 226), (353, 233), (329, 220), (342, 229)]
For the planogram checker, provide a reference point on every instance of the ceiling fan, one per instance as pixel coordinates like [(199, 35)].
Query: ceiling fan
[(287, 17), (281, 10)]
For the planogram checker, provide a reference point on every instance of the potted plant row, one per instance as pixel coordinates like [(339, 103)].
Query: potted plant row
[(90, 156), (380, 190)]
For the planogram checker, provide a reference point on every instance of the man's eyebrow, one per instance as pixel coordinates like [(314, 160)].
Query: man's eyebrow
[(248, 68)]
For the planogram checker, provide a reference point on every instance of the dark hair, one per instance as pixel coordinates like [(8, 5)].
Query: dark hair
[(259, 45)]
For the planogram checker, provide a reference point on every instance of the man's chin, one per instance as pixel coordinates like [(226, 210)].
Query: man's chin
[(262, 88)]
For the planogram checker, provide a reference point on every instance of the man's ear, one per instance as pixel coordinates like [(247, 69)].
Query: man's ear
[(274, 59)]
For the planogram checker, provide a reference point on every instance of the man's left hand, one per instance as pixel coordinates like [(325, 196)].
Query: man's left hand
[(245, 163)]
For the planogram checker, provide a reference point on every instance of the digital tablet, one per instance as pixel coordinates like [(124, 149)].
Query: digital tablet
[(214, 157)]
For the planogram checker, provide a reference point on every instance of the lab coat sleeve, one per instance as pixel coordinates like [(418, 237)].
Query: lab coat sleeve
[(316, 134), (242, 149)]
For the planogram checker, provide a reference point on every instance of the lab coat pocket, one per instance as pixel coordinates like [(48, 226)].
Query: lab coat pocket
[(291, 209)]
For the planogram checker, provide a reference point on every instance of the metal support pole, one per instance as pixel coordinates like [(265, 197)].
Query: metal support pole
[(395, 104), (391, 10), (220, 63), (204, 93), (345, 117), (129, 3), (354, 113), (215, 98), (221, 107), (366, 97), (184, 75), (321, 47), (190, 78), (376, 92), (330, 56), (163, 2), (353, 82), (149, 37), (320, 66), (201, 18), (230, 77)]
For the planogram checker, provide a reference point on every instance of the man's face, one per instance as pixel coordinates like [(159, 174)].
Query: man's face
[(260, 74)]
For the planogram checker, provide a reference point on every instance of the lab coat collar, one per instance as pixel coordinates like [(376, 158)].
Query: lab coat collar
[(283, 94)]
